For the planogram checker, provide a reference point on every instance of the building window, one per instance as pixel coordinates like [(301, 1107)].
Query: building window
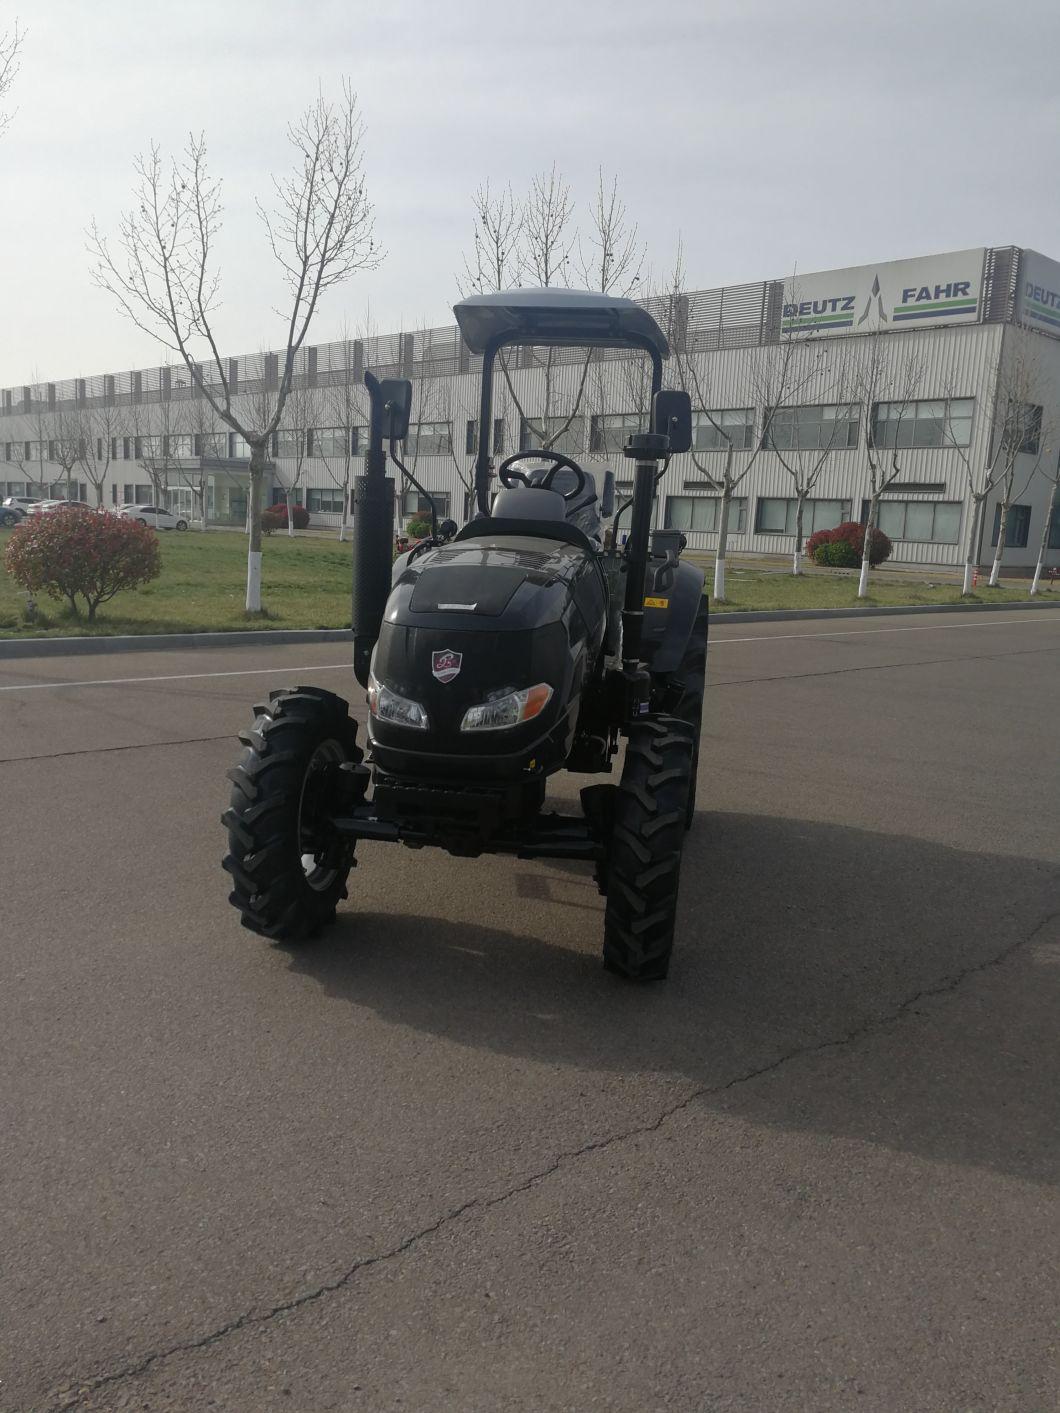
[(127, 494), (238, 447), (923, 521), (571, 442), (412, 503), (704, 513), (145, 495), (942, 422), (331, 441), (7, 451), (1017, 526), (114, 495), (1023, 426), (715, 432), (1054, 527), (776, 516), (471, 436), (828, 427), (324, 502), (608, 435), (429, 439), (287, 444)]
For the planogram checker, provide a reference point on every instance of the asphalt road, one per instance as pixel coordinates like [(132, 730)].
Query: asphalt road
[(442, 1160)]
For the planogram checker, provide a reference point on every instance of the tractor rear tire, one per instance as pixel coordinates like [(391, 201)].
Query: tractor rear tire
[(683, 691), (289, 867), (644, 857)]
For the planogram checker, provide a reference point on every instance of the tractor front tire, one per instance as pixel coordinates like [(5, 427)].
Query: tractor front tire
[(682, 695), (644, 856), (288, 865)]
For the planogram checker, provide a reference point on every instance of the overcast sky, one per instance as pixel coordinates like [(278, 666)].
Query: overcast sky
[(769, 133)]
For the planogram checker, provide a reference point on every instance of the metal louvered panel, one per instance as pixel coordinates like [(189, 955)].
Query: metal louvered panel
[(1000, 283)]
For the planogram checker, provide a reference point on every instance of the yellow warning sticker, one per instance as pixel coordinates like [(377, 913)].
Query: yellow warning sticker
[(656, 603)]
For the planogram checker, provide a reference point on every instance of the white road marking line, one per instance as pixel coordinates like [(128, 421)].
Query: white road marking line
[(348, 666), (179, 677), (865, 632)]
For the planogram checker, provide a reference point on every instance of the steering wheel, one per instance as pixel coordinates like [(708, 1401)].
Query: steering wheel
[(508, 477)]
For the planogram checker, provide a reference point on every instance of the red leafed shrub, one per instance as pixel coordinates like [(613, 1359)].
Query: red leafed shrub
[(275, 518), (87, 553), (854, 535)]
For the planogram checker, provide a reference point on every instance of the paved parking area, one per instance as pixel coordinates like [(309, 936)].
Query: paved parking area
[(441, 1160)]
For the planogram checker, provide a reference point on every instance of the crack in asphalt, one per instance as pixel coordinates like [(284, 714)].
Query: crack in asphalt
[(70, 1399), (133, 746)]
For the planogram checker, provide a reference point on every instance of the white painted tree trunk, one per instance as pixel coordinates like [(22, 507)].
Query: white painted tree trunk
[(970, 556), (345, 511), (253, 581), (290, 521), (1049, 511), (1002, 526), (796, 558), (257, 460), (866, 550), (723, 540)]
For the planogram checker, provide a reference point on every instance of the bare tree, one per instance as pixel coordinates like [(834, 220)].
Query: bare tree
[(157, 444), (31, 460), (299, 418), (344, 410), (10, 45), (1011, 420), (162, 274), (779, 372), (98, 434), (207, 444), (66, 446), (537, 240), (1051, 510), (878, 382), (494, 262), (830, 374)]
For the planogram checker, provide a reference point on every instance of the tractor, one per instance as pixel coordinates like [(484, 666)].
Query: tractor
[(535, 638)]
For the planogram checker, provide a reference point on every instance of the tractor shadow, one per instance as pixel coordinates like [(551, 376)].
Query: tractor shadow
[(791, 935)]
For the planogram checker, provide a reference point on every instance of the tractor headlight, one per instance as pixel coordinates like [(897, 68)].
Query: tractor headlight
[(387, 705), (510, 710)]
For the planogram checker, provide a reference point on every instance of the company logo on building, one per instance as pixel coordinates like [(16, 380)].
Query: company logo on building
[(947, 301), (1041, 304), (834, 312)]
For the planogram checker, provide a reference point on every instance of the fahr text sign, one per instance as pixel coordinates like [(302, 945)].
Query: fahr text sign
[(1038, 301), (939, 289)]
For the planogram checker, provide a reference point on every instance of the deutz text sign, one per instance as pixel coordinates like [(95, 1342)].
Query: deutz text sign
[(939, 289), (1038, 302)]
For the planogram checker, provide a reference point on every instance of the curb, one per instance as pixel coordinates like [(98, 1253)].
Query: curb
[(12, 648), (166, 642)]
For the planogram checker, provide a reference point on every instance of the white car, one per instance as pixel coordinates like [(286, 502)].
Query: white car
[(15, 508), (155, 516), (43, 507)]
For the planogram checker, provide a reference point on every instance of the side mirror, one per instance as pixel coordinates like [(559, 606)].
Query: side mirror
[(607, 496), (393, 398), (671, 415)]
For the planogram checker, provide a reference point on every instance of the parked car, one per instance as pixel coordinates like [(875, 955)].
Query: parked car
[(155, 516), (44, 507), (13, 510)]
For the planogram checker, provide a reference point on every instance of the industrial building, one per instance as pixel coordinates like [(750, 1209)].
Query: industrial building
[(920, 367)]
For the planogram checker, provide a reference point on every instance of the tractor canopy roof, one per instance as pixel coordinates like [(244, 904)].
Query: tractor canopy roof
[(557, 316)]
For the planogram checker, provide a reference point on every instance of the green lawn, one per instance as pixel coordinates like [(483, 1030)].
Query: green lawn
[(754, 589), (306, 584)]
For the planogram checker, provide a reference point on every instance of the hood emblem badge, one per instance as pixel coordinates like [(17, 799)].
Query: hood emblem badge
[(445, 664)]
